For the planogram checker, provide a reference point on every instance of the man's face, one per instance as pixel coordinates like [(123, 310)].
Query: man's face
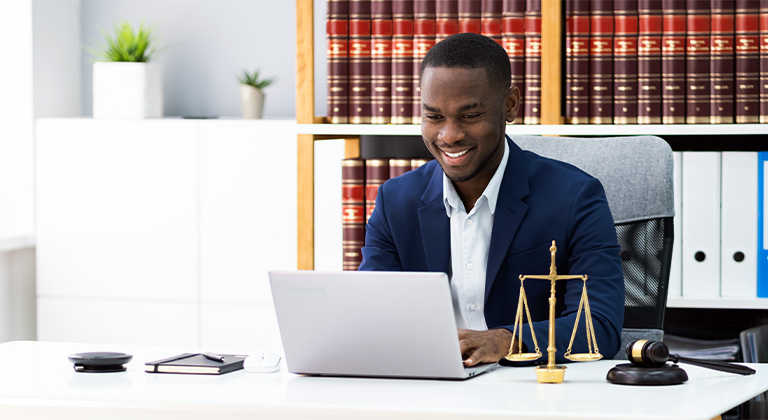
[(463, 121)]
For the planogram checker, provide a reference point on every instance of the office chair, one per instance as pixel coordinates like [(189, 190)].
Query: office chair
[(637, 174)]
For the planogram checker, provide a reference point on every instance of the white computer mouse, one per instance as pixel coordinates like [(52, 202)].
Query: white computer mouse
[(262, 362)]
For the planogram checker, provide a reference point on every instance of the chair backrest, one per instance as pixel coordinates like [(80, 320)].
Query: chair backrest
[(637, 174)]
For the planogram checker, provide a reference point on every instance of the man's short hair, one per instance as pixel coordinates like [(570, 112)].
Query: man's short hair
[(471, 51)]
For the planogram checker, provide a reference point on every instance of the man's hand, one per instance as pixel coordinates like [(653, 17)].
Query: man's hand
[(484, 346)]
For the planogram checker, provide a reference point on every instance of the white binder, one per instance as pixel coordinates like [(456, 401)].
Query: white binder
[(738, 225), (701, 224), (676, 268)]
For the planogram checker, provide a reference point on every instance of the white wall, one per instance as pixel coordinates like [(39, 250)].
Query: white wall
[(204, 45), (16, 119), (16, 171), (57, 56)]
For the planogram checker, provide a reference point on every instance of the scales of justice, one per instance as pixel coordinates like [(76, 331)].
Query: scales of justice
[(552, 373)]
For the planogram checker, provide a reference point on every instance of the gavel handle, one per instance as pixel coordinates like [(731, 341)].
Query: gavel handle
[(712, 364)]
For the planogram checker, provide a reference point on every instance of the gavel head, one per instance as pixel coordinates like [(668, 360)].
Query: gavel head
[(647, 353)]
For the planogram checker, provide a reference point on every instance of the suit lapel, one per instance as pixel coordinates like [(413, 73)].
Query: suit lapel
[(510, 210), (435, 225)]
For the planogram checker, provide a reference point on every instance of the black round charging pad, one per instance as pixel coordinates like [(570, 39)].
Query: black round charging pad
[(629, 374), (99, 361)]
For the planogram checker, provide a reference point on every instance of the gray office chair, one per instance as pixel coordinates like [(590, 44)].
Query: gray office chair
[(637, 174)]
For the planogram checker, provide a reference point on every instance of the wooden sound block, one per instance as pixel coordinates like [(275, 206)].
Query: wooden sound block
[(629, 374)]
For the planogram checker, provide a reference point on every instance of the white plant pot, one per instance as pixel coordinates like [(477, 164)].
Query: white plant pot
[(127, 90), (252, 100)]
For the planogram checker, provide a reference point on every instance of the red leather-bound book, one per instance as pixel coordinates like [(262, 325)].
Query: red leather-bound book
[(625, 62), (513, 40), (649, 62), (577, 15), (490, 19), (337, 41), (721, 62), (469, 16), (381, 61), (418, 162), (446, 19), (352, 212), (398, 167), (673, 62), (359, 61), (601, 62), (532, 103), (423, 39), (376, 173), (697, 62), (764, 61), (747, 86), (402, 62)]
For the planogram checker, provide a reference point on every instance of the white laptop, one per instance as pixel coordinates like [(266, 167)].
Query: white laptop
[(368, 323)]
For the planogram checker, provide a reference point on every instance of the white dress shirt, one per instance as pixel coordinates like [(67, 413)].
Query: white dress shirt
[(470, 240)]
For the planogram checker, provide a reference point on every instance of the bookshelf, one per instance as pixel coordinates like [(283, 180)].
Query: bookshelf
[(311, 128)]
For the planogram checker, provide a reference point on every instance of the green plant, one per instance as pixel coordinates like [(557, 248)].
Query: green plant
[(253, 79), (127, 44)]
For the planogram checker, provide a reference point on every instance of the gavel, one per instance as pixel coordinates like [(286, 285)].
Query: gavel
[(647, 353)]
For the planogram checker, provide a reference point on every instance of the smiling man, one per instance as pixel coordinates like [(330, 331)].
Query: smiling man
[(485, 212)]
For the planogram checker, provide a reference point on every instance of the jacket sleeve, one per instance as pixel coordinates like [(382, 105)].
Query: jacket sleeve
[(380, 252)]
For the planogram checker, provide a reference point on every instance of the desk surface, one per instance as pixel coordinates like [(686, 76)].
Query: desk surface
[(38, 381)]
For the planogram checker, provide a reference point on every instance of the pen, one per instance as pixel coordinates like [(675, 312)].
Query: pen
[(214, 357)]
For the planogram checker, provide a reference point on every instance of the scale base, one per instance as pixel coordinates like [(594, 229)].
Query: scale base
[(629, 374), (550, 375)]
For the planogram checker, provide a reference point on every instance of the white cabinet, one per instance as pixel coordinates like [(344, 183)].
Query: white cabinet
[(162, 231)]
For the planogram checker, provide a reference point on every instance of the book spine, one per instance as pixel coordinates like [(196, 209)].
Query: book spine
[(359, 61), (469, 16), (376, 173), (697, 61), (353, 212), (568, 60), (577, 62), (625, 62), (423, 39), (649, 62), (418, 162), (513, 40), (532, 103), (446, 19), (402, 62), (490, 19), (337, 41), (764, 61), (381, 61), (673, 62), (747, 61), (398, 167), (601, 62), (721, 64)]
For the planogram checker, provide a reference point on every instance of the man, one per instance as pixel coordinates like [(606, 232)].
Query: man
[(485, 212)]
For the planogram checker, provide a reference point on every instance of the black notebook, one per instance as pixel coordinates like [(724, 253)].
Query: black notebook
[(196, 363)]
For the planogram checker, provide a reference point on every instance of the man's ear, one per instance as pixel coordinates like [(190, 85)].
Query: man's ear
[(512, 104)]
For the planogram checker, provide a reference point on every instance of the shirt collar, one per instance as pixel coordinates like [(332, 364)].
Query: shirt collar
[(491, 193)]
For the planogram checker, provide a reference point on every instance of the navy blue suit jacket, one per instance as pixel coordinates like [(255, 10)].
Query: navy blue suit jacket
[(540, 200)]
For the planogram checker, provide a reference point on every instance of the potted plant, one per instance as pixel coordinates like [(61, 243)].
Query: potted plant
[(252, 94), (125, 83)]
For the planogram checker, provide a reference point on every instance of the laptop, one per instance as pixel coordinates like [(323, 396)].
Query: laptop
[(369, 323)]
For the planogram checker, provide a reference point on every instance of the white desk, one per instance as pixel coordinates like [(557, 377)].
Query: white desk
[(37, 381)]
